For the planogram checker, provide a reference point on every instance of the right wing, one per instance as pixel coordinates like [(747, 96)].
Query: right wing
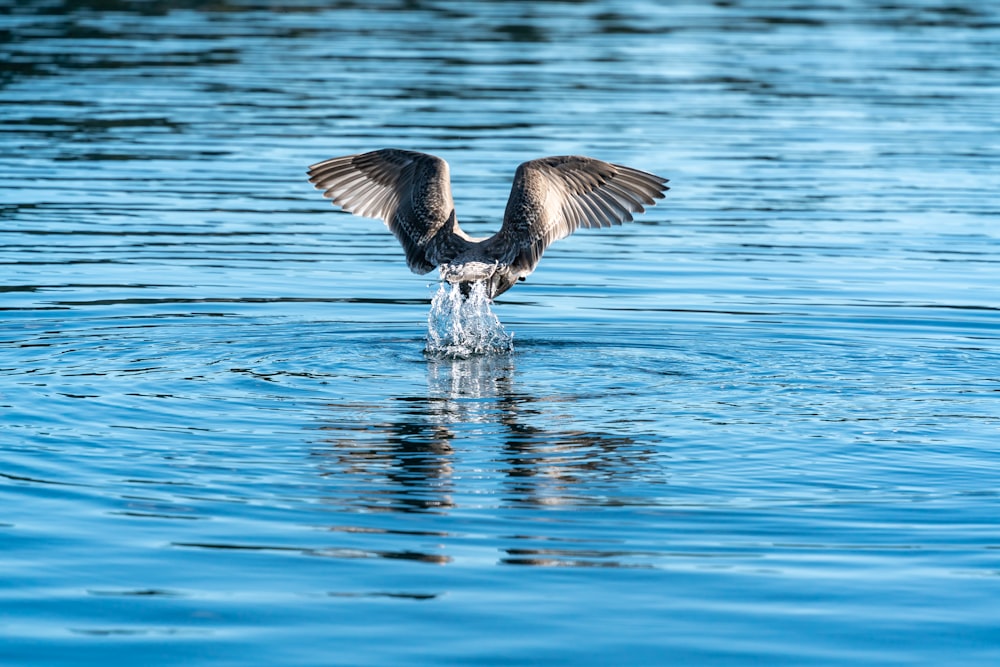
[(554, 196)]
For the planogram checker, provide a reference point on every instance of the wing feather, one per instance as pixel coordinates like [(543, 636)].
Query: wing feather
[(409, 191), (554, 196)]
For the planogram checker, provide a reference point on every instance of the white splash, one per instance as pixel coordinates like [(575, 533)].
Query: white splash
[(464, 326)]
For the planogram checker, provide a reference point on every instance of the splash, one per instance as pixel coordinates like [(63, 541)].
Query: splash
[(464, 326)]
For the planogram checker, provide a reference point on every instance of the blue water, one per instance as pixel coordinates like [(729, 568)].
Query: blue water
[(760, 425)]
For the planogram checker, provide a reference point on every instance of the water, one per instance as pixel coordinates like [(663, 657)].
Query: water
[(460, 326), (757, 426)]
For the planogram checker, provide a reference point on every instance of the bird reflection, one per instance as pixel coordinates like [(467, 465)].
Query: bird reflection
[(402, 465), (412, 453)]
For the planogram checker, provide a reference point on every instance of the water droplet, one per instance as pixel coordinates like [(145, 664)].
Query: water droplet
[(463, 326)]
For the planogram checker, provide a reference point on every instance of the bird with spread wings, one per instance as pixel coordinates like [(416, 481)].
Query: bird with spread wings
[(550, 199)]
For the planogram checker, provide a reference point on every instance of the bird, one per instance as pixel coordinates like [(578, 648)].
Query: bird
[(550, 198)]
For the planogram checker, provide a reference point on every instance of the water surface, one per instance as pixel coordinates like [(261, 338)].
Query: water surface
[(757, 426)]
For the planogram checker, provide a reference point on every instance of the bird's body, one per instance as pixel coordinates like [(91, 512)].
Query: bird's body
[(550, 198)]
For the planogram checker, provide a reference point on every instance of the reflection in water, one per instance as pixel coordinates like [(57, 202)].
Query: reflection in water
[(402, 464), (328, 552), (577, 557), (462, 381), (406, 461)]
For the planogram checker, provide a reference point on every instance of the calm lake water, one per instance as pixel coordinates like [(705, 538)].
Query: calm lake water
[(760, 425)]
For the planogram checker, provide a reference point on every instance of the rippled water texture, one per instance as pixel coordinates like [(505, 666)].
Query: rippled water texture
[(758, 426)]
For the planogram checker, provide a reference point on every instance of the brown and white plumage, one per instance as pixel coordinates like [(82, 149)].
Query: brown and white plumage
[(550, 199)]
